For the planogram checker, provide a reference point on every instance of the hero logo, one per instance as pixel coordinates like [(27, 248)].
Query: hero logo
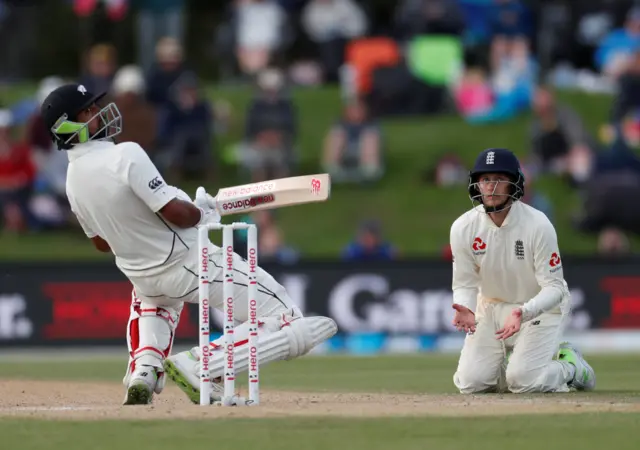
[(229, 258), (555, 263), (315, 186), (13, 323), (253, 315), (248, 202), (205, 363), (230, 360), (478, 246), (205, 259), (368, 303), (252, 260), (205, 316), (230, 310), (253, 360)]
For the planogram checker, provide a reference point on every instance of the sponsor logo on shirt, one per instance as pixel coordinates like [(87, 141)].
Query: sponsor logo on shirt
[(478, 246), (555, 263), (155, 183)]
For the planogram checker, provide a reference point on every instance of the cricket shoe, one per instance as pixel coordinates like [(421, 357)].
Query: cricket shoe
[(142, 384), (183, 369), (584, 378)]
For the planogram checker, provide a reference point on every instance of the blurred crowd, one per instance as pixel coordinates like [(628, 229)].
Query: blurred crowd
[(481, 59)]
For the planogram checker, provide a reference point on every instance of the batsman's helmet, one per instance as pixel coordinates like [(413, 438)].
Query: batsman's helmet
[(60, 112), (497, 160)]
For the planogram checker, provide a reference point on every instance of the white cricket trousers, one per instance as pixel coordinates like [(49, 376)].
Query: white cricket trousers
[(530, 368), (157, 302)]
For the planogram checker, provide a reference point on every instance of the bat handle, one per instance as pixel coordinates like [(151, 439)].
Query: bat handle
[(213, 203)]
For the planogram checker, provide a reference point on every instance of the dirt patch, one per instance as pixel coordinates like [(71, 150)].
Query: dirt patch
[(96, 401)]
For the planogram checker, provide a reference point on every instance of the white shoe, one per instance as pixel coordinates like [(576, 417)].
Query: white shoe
[(184, 369), (142, 383), (584, 378)]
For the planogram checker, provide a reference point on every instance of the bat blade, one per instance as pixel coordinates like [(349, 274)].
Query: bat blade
[(273, 194)]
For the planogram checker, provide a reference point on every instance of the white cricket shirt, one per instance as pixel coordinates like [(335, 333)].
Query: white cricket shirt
[(518, 262), (115, 191)]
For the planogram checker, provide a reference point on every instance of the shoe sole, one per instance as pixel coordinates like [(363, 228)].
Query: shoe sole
[(174, 375), (138, 394)]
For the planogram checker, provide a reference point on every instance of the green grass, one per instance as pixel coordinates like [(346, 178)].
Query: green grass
[(617, 377), (416, 216), (592, 431), (429, 373)]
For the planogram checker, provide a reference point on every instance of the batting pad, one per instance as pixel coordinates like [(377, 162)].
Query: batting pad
[(291, 341)]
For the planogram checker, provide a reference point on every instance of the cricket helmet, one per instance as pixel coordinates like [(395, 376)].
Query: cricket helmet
[(502, 161), (60, 112)]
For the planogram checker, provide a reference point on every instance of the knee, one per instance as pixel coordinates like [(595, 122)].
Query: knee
[(522, 380), (475, 381)]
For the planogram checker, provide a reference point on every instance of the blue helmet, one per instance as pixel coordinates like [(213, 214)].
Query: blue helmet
[(497, 160)]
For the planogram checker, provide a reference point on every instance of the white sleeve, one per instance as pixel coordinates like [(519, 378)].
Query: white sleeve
[(466, 279), (145, 180), (85, 227), (549, 274)]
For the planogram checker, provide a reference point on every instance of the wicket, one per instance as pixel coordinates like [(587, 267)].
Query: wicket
[(226, 262)]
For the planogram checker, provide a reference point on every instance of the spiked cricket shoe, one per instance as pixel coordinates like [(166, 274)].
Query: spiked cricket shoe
[(141, 386)]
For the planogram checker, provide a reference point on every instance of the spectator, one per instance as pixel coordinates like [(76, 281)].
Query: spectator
[(271, 248), (270, 131), (369, 245), (168, 68), (614, 53), (353, 147), (473, 94), (627, 99), (19, 26), (416, 17), (17, 173), (259, 33), (557, 135), (141, 116), (513, 82), (51, 165), (331, 24), (186, 132), (621, 154), (101, 67), (510, 28), (607, 204), (613, 242), (157, 19)]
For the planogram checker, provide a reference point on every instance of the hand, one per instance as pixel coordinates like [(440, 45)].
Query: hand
[(464, 319), (511, 325), (204, 200), (210, 214)]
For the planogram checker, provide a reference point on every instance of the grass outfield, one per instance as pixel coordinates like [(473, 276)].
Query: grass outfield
[(405, 402), (416, 216)]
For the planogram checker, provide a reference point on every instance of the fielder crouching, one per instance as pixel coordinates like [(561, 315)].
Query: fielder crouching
[(509, 291), (125, 207)]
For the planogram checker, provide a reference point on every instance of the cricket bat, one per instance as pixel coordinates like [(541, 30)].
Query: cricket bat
[(273, 194)]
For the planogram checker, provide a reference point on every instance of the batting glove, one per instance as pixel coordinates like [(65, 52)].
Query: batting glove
[(210, 215)]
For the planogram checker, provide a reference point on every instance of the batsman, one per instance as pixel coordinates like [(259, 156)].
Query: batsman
[(509, 292), (126, 208)]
